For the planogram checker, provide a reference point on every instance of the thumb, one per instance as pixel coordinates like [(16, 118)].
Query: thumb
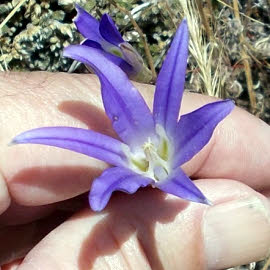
[(151, 230)]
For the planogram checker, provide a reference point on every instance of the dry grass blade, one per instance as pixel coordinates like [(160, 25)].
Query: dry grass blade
[(202, 51), (73, 66)]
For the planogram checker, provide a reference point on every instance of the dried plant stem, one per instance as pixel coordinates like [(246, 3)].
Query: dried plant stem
[(245, 60), (170, 12), (211, 11), (10, 15), (243, 14), (209, 3), (267, 264), (142, 36), (208, 29)]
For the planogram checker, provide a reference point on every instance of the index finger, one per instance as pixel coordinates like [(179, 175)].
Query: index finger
[(40, 174), (238, 149)]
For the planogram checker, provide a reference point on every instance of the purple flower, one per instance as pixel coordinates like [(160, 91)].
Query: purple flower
[(152, 146), (104, 36)]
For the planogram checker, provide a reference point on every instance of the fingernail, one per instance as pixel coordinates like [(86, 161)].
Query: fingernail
[(236, 232)]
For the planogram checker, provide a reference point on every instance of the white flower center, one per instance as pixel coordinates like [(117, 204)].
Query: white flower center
[(152, 158)]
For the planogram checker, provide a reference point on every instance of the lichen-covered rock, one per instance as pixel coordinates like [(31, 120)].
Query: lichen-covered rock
[(33, 39)]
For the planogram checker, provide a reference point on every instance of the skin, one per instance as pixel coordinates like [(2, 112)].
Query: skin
[(43, 189)]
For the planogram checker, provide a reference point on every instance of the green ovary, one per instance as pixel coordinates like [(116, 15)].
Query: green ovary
[(116, 52)]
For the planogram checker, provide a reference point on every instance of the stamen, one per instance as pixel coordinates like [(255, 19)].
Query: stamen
[(163, 150), (149, 150), (152, 159), (141, 164)]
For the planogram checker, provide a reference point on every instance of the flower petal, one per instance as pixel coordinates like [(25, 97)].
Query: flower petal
[(109, 31), (111, 180), (92, 43), (79, 140), (87, 25), (135, 70), (180, 185), (171, 80), (195, 129), (130, 116)]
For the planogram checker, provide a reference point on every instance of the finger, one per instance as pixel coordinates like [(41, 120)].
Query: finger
[(4, 195), (35, 176), (238, 149), (16, 241), (20, 214), (32, 224), (12, 266), (151, 230)]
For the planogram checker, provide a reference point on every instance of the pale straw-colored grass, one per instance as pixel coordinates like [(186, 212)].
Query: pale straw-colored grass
[(203, 52)]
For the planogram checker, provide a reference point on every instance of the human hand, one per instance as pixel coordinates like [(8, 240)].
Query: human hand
[(147, 230)]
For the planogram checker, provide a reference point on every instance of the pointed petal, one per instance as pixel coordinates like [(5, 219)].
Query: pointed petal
[(109, 31), (79, 140), (180, 185), (87, 25), (195, 129), (130, 116), (111, 180), (171, 80)]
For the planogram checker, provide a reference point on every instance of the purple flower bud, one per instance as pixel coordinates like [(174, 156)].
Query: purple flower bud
[(107, 38)]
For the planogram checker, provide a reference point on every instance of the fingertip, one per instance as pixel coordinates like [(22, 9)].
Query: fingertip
[(237, 232)]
